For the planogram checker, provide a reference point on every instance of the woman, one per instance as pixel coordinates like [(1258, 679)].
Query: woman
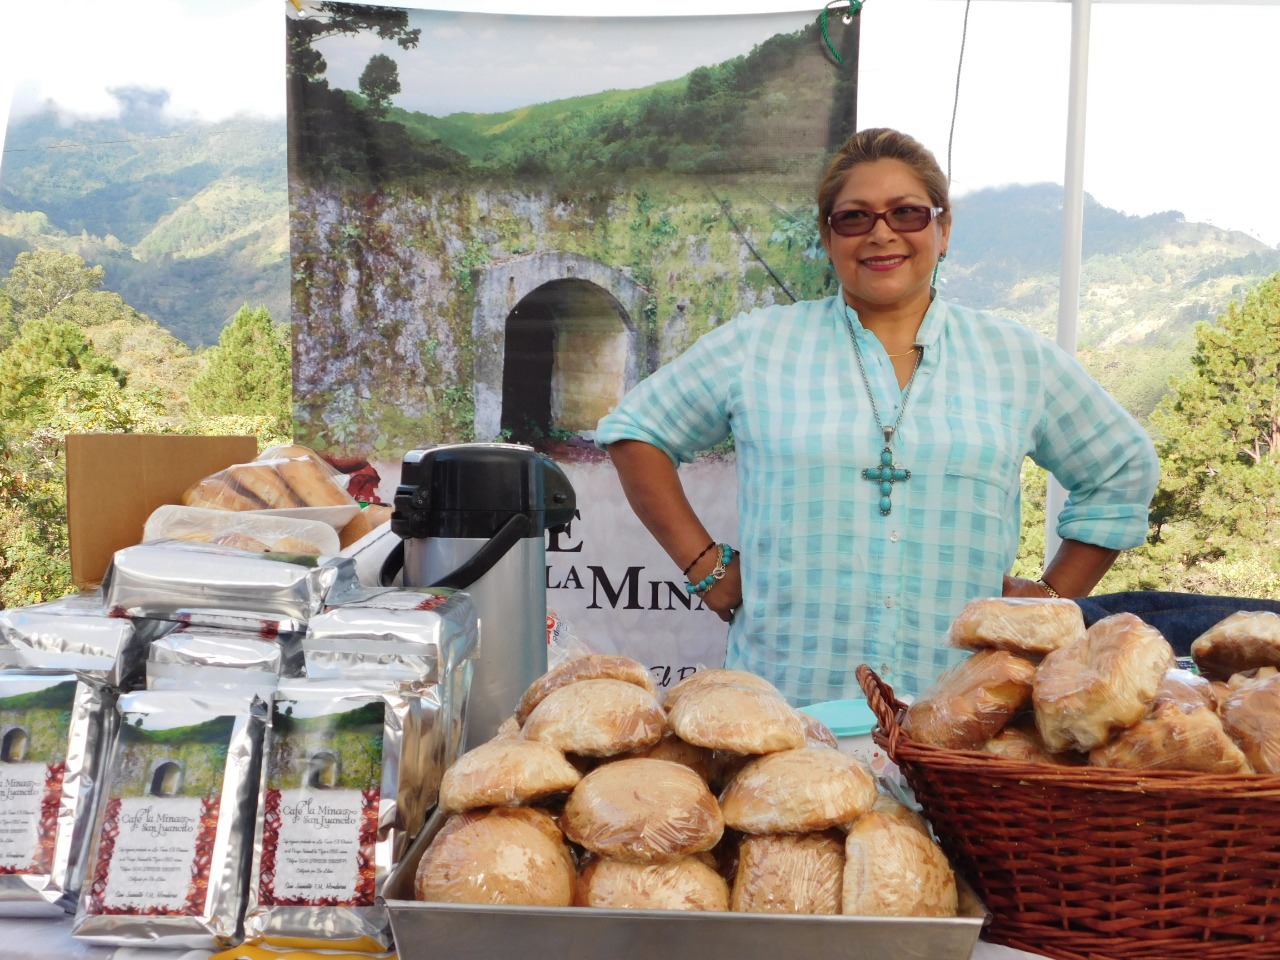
[(880, 435)]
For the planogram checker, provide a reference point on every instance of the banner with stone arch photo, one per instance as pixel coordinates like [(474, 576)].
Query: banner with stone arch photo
[(500, 224)]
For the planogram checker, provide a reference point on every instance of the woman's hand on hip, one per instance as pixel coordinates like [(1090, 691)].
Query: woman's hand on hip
[(725, 597), (1022, 587)]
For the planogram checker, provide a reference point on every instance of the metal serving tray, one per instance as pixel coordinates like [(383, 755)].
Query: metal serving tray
[(445, 931)]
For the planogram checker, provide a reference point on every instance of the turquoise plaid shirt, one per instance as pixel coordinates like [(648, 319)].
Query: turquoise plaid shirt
[(828, 582)]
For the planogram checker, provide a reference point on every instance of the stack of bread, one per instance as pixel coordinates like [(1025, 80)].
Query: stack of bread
[(244, 505), (1041, 688), (722, 797)]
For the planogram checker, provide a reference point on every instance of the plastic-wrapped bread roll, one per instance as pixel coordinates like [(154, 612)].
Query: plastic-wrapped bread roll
[(511, 856), (1086, 692), (292, 451), (509, 729), (503, 772), (736, 719), (298, 546), (242, 541), (311, 483), (711, 677), (1186, 688), (1028, 625), (1238, 680), (363, 523), (1022, 742), (216, 493), (1242, 641), (246, 530), (596, 666), (816, 732), (972, 701), (1221, 690), (700, 760), (789, 873), (897, 810), (890, 870), (684, 884), (642, 811), (597, 718), (1181, 731), (262, 480), (1251, 715), (798, 791)]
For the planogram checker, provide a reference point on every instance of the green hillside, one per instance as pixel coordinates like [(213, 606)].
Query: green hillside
[(477, 135), (189, 220)]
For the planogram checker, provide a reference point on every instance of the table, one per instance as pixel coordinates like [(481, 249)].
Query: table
[(49, 939)]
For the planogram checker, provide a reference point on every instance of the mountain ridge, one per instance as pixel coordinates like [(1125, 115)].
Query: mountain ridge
[(190, 219)]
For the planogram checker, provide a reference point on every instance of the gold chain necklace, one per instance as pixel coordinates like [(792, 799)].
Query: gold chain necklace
[(904, 353)]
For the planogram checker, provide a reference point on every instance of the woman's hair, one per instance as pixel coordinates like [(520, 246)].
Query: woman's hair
[(882, 143)]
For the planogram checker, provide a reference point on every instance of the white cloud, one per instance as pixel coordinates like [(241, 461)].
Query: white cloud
[(215, 59), (1177, 105)]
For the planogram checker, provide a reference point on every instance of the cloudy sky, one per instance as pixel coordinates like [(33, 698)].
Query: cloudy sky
[(1179, 104)]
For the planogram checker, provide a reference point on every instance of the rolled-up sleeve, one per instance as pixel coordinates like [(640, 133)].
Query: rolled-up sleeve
[(1103, 458), (683, 408)]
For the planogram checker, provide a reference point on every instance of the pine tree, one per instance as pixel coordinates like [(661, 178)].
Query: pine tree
[(149, 354), (1218, 434), (29, 367), (41, 280), (379, 83), (249, 372)]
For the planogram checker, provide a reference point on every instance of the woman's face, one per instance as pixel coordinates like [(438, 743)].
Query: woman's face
[(885, 270)]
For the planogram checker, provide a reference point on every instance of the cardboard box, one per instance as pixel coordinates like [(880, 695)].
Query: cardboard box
[(115, 480)]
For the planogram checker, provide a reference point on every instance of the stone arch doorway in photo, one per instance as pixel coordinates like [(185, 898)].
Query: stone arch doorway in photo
[(13, 746), (556, 345), (166, 779), (322, 770)]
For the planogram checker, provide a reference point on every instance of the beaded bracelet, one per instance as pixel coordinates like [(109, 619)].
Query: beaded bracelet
[(705, 550), (706, 583)]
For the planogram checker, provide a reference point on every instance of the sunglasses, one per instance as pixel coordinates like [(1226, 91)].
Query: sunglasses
[(906, 219)]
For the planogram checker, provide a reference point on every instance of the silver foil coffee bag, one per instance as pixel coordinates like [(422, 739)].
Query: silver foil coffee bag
[(51, 728), (208, 585), (191, 658), (427, 636), (73, 634), (173, 821), (333, 799), (415, 634)]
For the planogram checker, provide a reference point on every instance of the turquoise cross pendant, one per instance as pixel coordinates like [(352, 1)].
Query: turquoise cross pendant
[(886, 475)]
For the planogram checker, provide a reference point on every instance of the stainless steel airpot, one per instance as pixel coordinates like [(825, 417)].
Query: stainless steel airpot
[(474, 517)]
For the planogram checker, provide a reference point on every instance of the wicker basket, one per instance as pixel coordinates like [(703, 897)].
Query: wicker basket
[(1085, 863)]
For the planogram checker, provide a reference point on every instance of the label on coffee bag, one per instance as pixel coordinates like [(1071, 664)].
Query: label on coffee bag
[(35, 723), (161, 818), (320, 816)]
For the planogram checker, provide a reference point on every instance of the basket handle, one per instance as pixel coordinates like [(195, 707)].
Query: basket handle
[(883, 704)]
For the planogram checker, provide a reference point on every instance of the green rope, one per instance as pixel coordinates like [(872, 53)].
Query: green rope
[(853, 7)]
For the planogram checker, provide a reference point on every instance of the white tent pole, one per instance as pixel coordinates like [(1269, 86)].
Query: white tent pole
[(1072, 230)]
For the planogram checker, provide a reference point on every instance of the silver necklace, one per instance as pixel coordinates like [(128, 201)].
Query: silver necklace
[(886, 473)]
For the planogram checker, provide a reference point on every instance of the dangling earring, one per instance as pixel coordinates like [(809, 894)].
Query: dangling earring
[(942, 256)]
